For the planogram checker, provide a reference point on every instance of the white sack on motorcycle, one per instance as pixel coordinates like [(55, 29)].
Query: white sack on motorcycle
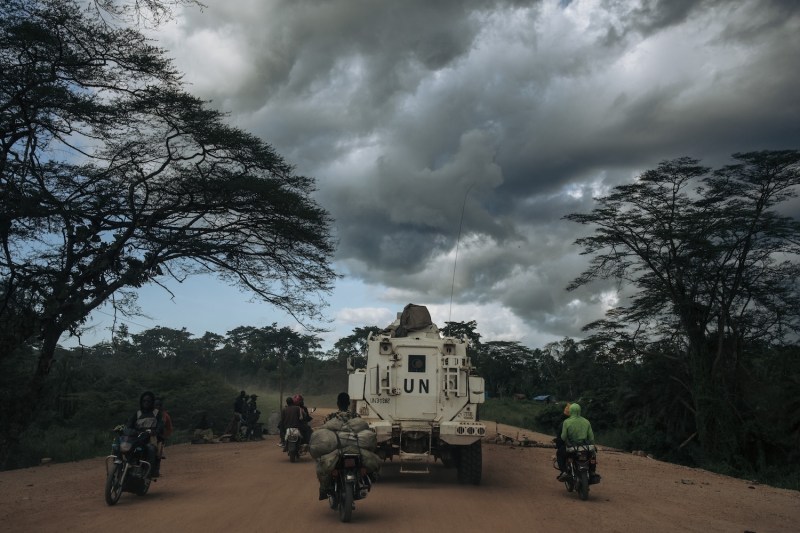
[(324, 441)]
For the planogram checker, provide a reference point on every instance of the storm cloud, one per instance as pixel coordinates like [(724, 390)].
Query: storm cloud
[(516, 112)]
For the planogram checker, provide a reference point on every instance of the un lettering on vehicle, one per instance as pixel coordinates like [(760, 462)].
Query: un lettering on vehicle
[(416, 386)]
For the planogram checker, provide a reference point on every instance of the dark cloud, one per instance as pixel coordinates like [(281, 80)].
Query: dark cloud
[(410, 114)]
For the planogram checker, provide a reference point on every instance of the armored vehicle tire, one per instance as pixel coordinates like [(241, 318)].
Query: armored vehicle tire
[(470, 464), (113, 488)]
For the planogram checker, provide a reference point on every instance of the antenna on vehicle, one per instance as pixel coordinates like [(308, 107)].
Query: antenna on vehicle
[(455, 261)]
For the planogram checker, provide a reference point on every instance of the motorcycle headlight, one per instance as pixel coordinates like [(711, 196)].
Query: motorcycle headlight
[(125, 447)]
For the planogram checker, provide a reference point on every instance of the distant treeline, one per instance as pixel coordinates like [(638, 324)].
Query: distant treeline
[(91, 389), (635, 401)]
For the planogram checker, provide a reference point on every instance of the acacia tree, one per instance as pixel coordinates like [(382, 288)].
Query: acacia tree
[(112, 176), (561, 370), (161, 343), (275, 350), (140, 12), (353, 347), (464, 329), (716, 266), (508, 367)]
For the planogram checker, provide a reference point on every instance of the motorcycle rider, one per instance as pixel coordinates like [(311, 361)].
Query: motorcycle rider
[(344, 414), (148, 418), (295, 417), (282, 422), (574, 430)]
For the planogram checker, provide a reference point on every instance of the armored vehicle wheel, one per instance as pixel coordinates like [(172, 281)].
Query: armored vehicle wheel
[(470, 464), (114, 485)]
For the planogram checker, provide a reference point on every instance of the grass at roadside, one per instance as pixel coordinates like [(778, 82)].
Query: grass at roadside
[(518, 413)]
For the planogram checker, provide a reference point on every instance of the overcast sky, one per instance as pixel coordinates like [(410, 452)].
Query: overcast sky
[(519, 112)]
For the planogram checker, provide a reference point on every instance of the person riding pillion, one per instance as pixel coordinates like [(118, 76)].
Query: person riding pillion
[(148, 418), (298, 400)]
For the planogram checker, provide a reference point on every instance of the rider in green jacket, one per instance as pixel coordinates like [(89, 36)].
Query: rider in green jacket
[(576, 429)]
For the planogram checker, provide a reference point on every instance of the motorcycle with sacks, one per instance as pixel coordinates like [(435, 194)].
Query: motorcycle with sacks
[(350, 482), (581, 461), (127, 469)]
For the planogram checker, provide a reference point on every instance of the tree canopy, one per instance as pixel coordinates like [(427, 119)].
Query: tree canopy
[(113, 176), (713, 262)]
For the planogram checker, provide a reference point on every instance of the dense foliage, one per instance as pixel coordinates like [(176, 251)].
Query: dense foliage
[(91, 389), (711, 258), (112, 176), (634, 403)]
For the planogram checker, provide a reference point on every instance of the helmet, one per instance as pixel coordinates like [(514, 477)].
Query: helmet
[(343, 401), (297, 399)]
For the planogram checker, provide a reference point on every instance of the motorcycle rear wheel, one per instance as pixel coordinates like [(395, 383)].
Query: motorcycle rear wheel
[(114, 481), (583, 485), (570, 482), (346, 503)]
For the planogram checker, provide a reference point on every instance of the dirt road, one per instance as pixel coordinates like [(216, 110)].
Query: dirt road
[(252, 487)]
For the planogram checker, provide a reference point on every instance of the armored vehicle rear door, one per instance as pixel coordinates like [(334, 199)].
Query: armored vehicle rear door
[(417, 383)]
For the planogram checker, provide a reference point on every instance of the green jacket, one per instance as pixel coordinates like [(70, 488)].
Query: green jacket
[(576, 428)]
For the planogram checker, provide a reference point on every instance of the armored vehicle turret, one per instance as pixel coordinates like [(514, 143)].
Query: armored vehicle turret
[(420, 395)]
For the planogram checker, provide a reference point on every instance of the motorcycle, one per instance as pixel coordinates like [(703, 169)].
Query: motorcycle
[(127, 469), (581, 462), (294, 445), (350, 483)]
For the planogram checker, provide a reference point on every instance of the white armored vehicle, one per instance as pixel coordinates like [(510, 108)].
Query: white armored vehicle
[(420, 395)]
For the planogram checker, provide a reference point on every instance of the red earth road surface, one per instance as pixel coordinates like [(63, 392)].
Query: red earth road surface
[(252, 487)]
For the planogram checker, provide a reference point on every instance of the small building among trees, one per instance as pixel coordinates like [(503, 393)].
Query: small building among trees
[(546, 398)]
